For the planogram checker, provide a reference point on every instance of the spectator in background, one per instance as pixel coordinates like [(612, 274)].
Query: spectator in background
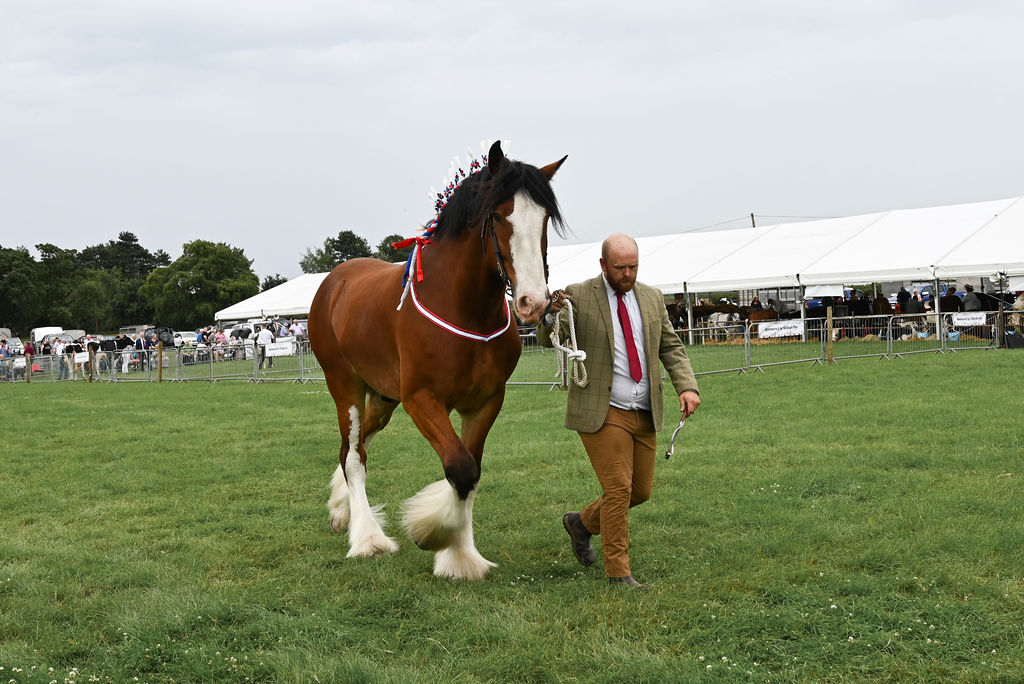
[(949, 302), (264, 338), (971, 301), (902, 297), (59, 347), (755, 303), (140, 350), (298, 330), (914, 304)]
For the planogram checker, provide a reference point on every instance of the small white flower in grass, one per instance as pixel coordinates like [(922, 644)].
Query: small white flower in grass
[(709, 667), (849, 638), (700, 658), (833, 606), (725, 660)]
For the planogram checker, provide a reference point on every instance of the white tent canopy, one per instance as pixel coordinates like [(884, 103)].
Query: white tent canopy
[(288, 300), (952, 242)]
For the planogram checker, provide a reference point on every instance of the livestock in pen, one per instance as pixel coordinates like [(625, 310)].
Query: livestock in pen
[(437, 336)]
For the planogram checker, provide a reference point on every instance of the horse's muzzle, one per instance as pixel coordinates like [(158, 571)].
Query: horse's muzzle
[(529, 308)]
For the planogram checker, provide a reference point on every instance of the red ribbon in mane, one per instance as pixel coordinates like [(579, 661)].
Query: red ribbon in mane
[(419, 241)]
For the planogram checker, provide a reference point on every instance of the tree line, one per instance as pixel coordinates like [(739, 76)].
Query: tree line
[(118, 283)]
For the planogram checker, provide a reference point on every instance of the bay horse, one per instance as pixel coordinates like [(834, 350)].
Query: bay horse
[(450, 348)]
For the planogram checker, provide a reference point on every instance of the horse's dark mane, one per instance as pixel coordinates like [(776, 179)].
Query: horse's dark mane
[(481, 193)]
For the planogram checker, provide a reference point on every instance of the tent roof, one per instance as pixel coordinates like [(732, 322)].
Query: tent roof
[(286, 300), (956, 241)]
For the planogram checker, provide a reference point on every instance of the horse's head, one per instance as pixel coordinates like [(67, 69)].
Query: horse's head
[(517, 228)]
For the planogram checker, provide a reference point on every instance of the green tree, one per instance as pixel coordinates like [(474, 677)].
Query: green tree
[(125, 256), (317, 260), (272, 281), (131, 263), (90, 304), (58, 277), (335, 250), (206, 278), (385, 252), (19, 290)]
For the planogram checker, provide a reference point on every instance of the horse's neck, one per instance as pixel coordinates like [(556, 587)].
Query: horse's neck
[(459, 279)]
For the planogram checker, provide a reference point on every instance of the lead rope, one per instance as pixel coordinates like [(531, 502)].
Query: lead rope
[(571, 354)]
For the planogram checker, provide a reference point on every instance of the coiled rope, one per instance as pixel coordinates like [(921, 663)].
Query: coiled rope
[(571, 354)]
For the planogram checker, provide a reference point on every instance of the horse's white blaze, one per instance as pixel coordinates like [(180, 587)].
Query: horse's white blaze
[(461, 560), (527, 219), (365, 534)]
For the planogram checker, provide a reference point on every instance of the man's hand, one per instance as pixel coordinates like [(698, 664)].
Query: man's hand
[(688, 403), (557, 301)]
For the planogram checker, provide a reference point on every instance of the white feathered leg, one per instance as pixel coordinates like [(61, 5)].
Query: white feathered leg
[(461, 560), (338, 503), (365, 534), (438, 520)]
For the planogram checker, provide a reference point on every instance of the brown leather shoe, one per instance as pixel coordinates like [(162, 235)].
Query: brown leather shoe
[(580, 538), (627, 581)]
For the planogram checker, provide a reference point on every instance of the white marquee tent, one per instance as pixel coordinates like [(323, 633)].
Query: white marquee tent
[(952, 242), (955, 242), (288, 300)]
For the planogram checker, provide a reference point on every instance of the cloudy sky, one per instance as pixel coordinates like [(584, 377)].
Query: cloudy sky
[(271, 125)]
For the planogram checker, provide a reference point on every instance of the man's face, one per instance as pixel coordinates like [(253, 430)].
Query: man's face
[(621, 265)]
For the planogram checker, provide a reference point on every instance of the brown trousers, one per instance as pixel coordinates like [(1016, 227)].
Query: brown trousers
[(622, 453)]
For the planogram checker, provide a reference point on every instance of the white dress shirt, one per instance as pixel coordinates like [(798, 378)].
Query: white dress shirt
[(626, 393)]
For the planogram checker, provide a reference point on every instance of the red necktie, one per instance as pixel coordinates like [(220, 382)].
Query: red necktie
[(627, 331)]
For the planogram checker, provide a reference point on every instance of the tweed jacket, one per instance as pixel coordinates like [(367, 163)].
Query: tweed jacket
[(587, 407)]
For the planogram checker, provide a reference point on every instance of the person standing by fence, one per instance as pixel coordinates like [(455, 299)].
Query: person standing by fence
[(264, 338)]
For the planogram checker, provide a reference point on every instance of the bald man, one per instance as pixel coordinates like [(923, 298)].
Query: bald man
[(624, 328)]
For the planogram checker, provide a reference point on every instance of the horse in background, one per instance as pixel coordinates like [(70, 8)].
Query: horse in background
[(443, 339)]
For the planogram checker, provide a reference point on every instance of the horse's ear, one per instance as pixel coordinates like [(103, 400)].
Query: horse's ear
[(549, 170), (495, 157)]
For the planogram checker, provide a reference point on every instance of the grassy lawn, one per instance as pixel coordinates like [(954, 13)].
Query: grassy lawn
[(860, 521)]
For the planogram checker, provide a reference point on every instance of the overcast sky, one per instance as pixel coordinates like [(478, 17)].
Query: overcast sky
[(272, 125)]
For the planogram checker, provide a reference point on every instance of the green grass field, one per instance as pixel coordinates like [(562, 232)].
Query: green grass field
[(862, 521)]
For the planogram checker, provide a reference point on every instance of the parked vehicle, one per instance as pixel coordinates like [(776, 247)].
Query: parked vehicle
[(37, 334), (16, 346), (185, 338)]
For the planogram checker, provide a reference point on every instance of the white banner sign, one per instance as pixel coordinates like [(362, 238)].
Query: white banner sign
[(789, 328), (281, 348), (969, 318), (81, 357)]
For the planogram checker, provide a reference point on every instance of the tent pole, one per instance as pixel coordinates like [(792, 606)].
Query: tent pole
[(689, 314), (803, 311)]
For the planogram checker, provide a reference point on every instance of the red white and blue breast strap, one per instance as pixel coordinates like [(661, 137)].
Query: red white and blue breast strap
[(454, 329)]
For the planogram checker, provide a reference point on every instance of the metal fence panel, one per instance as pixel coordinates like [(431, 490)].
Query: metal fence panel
[(913, 334), (860, 336), (773, 343)]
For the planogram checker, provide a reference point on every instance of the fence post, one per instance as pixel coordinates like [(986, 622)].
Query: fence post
[(746, 346), (828, 339)]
